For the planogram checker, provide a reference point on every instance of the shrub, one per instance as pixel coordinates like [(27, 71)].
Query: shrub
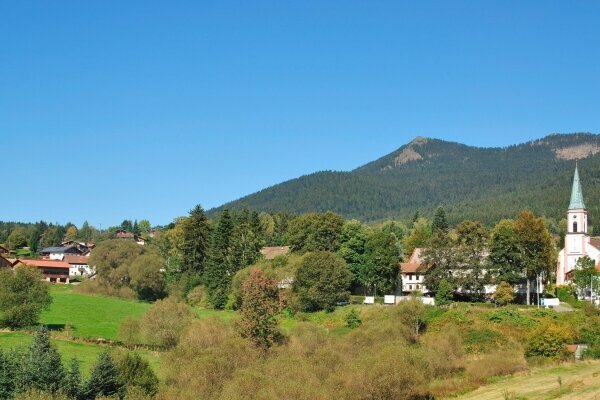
[(444, 294), (164, 322), (504, 294), (511, 316), (134, 371), (352, 319), (549, 340)]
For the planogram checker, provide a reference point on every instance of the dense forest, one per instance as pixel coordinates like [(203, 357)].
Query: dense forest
[(484, 184)]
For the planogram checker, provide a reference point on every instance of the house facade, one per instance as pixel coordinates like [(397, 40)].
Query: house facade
[(577, 241)]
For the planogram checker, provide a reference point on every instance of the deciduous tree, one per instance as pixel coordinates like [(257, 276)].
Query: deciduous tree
[(23, 295)]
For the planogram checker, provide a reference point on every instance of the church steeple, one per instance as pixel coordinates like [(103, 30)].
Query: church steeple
[(576, 193)]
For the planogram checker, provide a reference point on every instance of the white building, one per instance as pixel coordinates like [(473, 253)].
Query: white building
[(577, 241)]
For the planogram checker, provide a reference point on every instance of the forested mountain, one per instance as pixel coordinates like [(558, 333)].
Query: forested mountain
[(485, 184)]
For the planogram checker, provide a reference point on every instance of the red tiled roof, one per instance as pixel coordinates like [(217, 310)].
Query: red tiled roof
[(76, 259), (45, 263)]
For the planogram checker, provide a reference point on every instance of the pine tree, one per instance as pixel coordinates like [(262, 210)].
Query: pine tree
[(245, 242), (219, 268), (73, 382), (104, 378), (195, 242), (44, 369), (439, 221)]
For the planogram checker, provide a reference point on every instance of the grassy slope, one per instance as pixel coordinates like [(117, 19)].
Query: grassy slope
[(90, 316), (579, 381)]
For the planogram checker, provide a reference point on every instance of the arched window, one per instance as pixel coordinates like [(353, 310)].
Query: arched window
[(575, 227)]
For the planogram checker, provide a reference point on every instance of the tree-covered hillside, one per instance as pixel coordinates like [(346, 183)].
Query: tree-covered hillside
[(485, 184)]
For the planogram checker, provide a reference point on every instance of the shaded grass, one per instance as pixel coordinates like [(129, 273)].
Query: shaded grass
[(85, 353), (90, 316)]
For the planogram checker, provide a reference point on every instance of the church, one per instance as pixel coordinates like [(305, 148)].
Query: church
[(577, 241)]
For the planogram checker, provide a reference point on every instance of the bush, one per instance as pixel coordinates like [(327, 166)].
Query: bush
[(352, 319), (164, 322), (549, 340), (504, 294), (445, 293), (134, 371)]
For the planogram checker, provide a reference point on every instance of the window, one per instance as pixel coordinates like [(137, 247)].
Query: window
[(575, 227), (409, 287)]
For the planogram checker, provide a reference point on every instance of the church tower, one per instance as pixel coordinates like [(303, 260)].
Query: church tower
[(576, 239)]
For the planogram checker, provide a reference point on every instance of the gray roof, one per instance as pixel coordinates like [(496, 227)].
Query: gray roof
[(576, 193), (60, 249)]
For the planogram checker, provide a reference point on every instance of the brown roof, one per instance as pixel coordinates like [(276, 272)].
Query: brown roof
[(3, 249), (76, 259), (271, 252), (595, 241), (45, 263), (412, 268)]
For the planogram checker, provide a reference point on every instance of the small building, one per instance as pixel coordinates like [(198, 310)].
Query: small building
[(3, 250), (413, 274), (59, 253), (79, 265), (53, 270), (123, 234), (85, 247)]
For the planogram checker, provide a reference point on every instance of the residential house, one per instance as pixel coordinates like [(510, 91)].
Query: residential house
[(53, 270), (5, 262), (79, 265), (123, 234), (59, 253), (413, 274)]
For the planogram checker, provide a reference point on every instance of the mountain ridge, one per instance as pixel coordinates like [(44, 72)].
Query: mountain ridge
[(427, 172)]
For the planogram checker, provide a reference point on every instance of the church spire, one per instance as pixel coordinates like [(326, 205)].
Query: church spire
[(576, 193)]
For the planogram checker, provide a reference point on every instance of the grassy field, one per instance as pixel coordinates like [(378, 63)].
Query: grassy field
[(89, 316), (579, 381)]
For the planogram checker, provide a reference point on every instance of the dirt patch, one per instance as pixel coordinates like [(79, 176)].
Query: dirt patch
[(577, 152), (407, 155)]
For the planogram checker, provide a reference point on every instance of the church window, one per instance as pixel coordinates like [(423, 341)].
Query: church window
[(575, 227)]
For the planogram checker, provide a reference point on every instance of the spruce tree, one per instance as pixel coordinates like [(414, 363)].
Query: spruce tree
[(196, 240), (73, 382), (43, 369), (104, 378), (219, 268), (439, 221), (8, 375)]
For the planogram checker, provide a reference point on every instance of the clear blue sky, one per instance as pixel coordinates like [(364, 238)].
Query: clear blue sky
[(122, 109)]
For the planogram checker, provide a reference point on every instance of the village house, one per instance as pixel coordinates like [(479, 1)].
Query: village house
[(53, 270), (79, 265), (413, 275), (578, 243), (123, 234), (59, 253), (84, 247)]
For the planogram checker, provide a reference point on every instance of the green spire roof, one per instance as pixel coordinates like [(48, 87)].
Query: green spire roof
[(576, 193)]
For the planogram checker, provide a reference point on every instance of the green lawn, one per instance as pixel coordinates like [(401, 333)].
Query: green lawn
[(89, 316)]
